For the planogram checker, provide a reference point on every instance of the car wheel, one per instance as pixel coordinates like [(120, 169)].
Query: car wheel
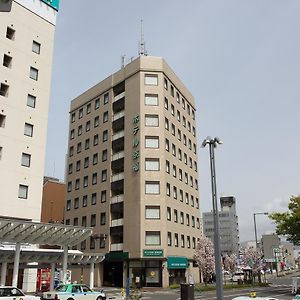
[(70, 299), (101, 298)]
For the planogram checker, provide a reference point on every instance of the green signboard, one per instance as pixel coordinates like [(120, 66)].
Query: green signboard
[(52, 3), (154, 253), (177, 262)]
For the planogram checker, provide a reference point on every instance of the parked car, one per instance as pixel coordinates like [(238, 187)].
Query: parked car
[(13, 293), (74, 292), (257, 298)]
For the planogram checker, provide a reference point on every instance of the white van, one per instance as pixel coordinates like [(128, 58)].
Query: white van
[(238, 276)]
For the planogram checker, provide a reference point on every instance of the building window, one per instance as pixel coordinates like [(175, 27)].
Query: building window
[(95, 158), (2, 121), (78, 147), (79, 130), (70, 169), (84, 201), (88, 126), (68, 205), (193, 221), (188, 241), (177, 97), (179, 134), (174, 192), (172, 110), (86, 162), (106, 98), (152, 212), (97, 103), (183, 103), (169, 238), (175, 216), (87, 144), (7, 60), (93, 220), (151, 100), (174, 171), (78, 163), (152, 164), (88, 108), (80, 113), (166, 83), (31, 100), (181, 218), (72, 134), (77, 184), (151, 120), (188, 109), (151, 79), (176, 239), (4, 89), (180, 174), (168, 189), (172, 90), (76, 204), (96, 121), (103, 196), (94, 178), (102, 218), (105, 136), (23, 191), (166, 103), (26, 158), (178, 116), (167, 145), (36, 47), (96, 140), (181, 195), (69, 188), (104, 175), (83, 221), (94, 199), (28, 129), (152, 187), (187, 198), (187, 219), (167, 166), (34, 73), (104, 155), (71, 151), (184, 121), (83, 245), (152, 142), (166, 123), (105, 117), (179, 154), (10, 33), (92, 243), (173, 150), (85, 181), (102, 242), (169, 215), (182, 241), (152, 238)]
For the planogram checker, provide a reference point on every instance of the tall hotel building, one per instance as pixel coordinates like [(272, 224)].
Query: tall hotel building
[(26, 39), (132, 175)]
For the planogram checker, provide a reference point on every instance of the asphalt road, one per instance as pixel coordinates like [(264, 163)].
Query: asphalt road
[(280, 289)]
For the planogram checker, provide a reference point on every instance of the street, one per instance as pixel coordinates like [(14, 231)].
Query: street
[(280, 289)]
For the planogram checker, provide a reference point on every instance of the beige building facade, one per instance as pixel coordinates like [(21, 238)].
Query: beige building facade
[(26, 39), (132, 175)]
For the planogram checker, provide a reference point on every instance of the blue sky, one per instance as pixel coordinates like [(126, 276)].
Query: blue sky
[(239, 58)]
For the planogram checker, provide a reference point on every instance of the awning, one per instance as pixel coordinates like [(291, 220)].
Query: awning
[(177, 262), (48, 256), (116, 256), (25, 232)]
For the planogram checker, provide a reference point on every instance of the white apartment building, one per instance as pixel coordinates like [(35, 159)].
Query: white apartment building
[(26, 46)]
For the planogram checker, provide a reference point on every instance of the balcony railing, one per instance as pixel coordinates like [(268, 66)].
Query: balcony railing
[(117, 222), (117, 199), (118, 135), (118, 115), (116, 247), (118, 155), (117, 177), (118, 97)]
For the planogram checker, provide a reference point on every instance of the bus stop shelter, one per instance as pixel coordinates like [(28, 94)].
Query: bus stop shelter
[(14, 233)]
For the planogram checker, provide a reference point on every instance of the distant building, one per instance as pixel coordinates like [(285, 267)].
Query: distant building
[(229, 230), (53, 203)]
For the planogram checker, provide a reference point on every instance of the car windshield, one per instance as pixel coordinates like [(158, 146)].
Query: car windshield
[(8, 292), (62, 288)]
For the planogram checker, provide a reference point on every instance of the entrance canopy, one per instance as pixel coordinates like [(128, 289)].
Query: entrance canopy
[(26, 232), (48, 256)]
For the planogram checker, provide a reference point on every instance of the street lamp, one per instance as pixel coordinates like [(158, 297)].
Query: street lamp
[(255, 230), (212, 142)]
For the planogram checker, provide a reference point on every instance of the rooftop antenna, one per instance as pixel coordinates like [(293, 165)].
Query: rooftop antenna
[(142, 44), (123, 60)]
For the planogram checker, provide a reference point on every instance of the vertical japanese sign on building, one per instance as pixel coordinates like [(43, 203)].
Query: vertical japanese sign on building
[(135, 144)]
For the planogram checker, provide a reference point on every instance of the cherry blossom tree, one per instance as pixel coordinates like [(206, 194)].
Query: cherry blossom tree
[(230, 263), (204, 257), (252, 258)]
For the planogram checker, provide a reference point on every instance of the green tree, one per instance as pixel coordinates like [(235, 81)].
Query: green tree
[(288, 223)]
